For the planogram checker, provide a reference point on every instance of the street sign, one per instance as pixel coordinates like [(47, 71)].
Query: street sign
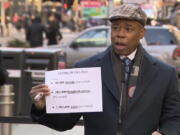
[(93, 9)]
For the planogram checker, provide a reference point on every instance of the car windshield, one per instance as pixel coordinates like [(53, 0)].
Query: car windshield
[(93, 38), (159, 37)]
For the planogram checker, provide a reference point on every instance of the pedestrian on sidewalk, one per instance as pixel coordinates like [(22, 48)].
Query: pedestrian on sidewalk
[(53, 33), (139, 93), (35, 32)]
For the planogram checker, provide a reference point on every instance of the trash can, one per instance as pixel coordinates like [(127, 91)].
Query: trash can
[(6, 106), (36, 62), (11, 59)]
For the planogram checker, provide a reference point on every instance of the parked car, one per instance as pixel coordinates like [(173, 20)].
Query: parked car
[(158, 41)]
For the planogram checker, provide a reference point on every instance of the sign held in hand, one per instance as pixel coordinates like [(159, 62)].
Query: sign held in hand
[(74, 90)]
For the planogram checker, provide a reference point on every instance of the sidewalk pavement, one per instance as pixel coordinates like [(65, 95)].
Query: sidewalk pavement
[(37, 129), (15, 34)]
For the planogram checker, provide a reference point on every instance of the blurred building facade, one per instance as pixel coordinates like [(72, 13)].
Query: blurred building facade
[(79, 10), (161, 8)]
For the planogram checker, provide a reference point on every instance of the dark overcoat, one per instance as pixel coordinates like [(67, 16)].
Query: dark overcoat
[(155, 104)]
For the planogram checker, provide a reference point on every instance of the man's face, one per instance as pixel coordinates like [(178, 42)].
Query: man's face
[(125, 35)]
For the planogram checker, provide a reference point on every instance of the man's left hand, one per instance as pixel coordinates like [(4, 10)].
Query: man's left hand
[(156, 133)]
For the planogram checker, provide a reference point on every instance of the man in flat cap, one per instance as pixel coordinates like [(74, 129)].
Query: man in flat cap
[(140, 93)]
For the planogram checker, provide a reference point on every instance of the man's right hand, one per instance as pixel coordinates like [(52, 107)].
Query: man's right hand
[(38, 93)]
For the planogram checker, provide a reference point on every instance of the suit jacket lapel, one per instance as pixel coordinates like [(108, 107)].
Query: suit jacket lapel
[(147, 73), (108, 75)]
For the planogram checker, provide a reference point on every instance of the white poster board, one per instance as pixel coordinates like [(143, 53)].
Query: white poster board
[(74, 90)]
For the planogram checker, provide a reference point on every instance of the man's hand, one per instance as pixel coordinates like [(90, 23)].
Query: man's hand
[(156, 133), (38, 93)]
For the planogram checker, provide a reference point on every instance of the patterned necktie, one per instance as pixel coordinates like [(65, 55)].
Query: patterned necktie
[(127, 66), (123, 100)]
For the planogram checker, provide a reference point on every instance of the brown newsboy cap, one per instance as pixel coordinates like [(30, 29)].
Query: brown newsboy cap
[(130, 12)]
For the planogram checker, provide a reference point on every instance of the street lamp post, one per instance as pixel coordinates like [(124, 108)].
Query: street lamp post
[(2, 17)]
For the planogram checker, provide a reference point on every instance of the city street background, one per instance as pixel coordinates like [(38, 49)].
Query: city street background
[(20, 35), (37, 129), (73, 16)]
